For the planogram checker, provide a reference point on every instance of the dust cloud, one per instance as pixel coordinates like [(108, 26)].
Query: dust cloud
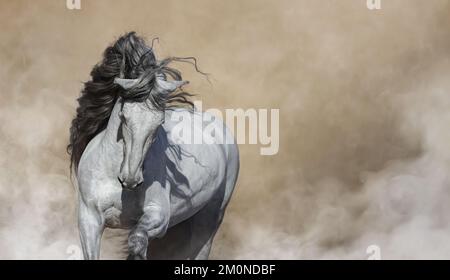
[(363, 98)]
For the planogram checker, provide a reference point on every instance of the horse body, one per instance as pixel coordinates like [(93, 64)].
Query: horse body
[(189, 182), (132, 169)]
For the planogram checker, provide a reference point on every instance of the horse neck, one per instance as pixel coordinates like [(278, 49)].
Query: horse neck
[(111, 146)]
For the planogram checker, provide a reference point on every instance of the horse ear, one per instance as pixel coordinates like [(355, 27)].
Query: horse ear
[(168, 86), (126, 84)]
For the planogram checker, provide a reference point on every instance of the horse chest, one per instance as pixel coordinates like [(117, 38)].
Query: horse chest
[(121, 209)]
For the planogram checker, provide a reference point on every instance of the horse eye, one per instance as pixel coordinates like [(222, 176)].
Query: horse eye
[(122, 118)]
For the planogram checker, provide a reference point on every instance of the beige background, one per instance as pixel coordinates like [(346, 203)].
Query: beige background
[(364, 115)]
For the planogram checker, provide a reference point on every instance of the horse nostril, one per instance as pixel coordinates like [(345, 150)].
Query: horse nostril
[(137, 184), (123, 183), (140, 178), (130, 184)]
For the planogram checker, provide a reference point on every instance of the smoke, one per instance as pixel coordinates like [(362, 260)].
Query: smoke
[(363, 99)]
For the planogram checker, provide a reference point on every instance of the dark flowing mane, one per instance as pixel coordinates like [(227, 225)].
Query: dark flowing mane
[(129, 58)]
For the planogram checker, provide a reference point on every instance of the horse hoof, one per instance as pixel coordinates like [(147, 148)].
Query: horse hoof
[(137, 245), (136, 257)]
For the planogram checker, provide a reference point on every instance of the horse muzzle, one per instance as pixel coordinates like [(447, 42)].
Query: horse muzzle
[(130, 184)]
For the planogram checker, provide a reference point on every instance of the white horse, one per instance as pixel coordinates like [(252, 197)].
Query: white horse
[(132, 173)]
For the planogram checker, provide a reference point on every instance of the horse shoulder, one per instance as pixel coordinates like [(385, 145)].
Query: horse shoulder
[(91, 174)]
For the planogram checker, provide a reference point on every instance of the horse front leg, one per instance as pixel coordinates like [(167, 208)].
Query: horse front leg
[(152, 224), (91, 226)]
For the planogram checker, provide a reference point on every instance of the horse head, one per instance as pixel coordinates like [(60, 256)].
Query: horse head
[(140, 117)]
